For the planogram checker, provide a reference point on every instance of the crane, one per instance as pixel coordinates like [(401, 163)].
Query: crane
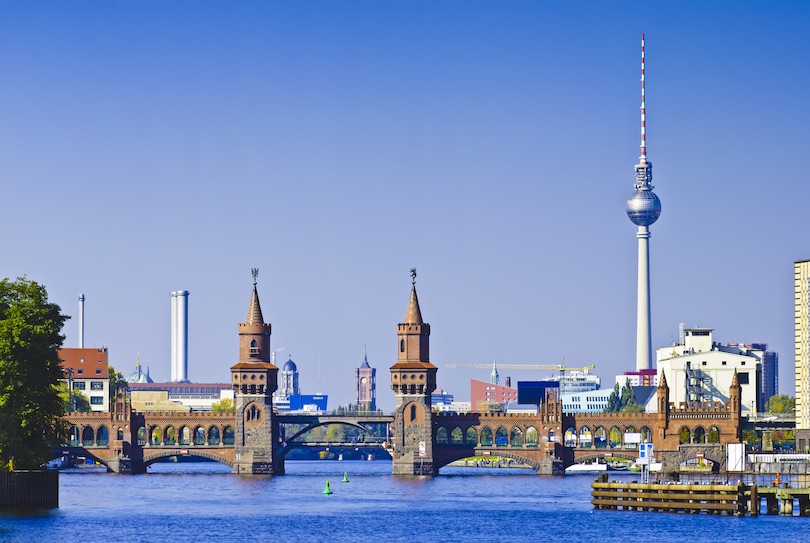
[(552, 367)]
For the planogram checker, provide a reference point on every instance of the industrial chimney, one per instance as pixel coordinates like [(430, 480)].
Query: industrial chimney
[(81, 321), (179, 369)]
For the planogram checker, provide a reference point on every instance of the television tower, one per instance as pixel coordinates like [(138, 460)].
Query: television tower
[(643, 209)]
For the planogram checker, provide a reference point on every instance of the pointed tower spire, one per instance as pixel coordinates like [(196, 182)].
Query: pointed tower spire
[(254, 315), (494, 378), (414, 314)]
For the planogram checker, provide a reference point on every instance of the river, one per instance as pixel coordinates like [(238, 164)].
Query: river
[(198, 502)]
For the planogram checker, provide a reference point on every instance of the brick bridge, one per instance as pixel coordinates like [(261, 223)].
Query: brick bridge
[(253, 439)]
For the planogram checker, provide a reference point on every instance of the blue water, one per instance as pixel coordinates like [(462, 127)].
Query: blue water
[(197, 502)]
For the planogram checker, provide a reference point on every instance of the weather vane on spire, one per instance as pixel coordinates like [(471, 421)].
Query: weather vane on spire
[(413, 276), (255, 273)]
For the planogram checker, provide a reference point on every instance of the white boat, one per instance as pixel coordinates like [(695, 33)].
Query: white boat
[(594, 467)]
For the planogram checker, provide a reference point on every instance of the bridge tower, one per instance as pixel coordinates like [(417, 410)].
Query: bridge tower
[(254, 379), (413, 379)]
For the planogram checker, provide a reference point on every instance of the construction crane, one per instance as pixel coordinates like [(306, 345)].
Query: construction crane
[(552, 367)]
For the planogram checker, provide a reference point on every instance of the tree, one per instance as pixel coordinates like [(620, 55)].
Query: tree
[(623, 400), (225, 405), (781, 404), (80, 402), (117, 381), (31, 408)]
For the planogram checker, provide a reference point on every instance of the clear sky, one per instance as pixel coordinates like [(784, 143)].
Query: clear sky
[(153, 146)]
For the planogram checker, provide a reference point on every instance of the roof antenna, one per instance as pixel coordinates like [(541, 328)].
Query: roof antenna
[(643, 157), (255, 273)]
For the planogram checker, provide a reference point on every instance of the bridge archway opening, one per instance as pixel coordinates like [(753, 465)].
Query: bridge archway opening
[(441, 436), (699, 435), (486, 436), (713, 435), (88, 437), (228, 435), (102, 436), (155, 435), (199, 435), (570, 437), (600, 437), (471, 437), (184, 436), (213, 435), (516, 437), (141, 435), (685, 435), (170, 436), (501, 437), (75, 437), (457, 436)]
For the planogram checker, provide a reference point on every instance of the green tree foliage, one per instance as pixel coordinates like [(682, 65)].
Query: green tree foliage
[(781, 404), (225, 405), (31, 408), (623, 400), (80, 402), (117, 381)]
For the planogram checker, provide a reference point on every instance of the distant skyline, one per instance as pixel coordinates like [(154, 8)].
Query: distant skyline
[(149, 147)]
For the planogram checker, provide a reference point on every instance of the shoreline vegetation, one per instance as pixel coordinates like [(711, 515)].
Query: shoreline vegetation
[(489, 462)]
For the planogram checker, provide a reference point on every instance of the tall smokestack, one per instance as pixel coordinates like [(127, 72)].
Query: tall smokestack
[(179, 368), (81, 321)]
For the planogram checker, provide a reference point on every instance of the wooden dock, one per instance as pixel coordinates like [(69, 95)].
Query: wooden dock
[(712, 499), (670, 498)]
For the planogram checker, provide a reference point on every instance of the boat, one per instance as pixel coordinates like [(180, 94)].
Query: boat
[(587, 468)]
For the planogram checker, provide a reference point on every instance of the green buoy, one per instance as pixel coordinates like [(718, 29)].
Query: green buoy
[(345, 477), (327, 490)]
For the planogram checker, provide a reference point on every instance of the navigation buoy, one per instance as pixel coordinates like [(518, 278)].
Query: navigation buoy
[(345, 477), (327, 490)]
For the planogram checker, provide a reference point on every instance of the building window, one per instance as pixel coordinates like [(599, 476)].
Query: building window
[(98, 371), (79, 385), (96, 400), (723, 363), (80, 371), (97, 385), (402, 345), (742, 378), (254, 347)]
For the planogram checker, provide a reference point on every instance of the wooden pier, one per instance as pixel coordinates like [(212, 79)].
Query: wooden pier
[(712, 499), (670, 498)]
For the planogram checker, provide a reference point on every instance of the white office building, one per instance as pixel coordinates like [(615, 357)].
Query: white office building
[(700, 370)]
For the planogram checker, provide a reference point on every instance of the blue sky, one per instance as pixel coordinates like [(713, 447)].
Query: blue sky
[(147, 147)]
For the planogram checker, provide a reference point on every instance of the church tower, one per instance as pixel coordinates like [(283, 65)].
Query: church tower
[(254, 379), (413, 379)]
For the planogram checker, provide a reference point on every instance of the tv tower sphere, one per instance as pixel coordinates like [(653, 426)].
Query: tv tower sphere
[(643, 207)]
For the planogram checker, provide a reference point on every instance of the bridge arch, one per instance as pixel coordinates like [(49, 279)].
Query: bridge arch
[(150, 459), (451, 456), (291, 442)]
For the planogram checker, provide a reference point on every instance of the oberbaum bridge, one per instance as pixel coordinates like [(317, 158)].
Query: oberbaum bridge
[(251, 440)]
